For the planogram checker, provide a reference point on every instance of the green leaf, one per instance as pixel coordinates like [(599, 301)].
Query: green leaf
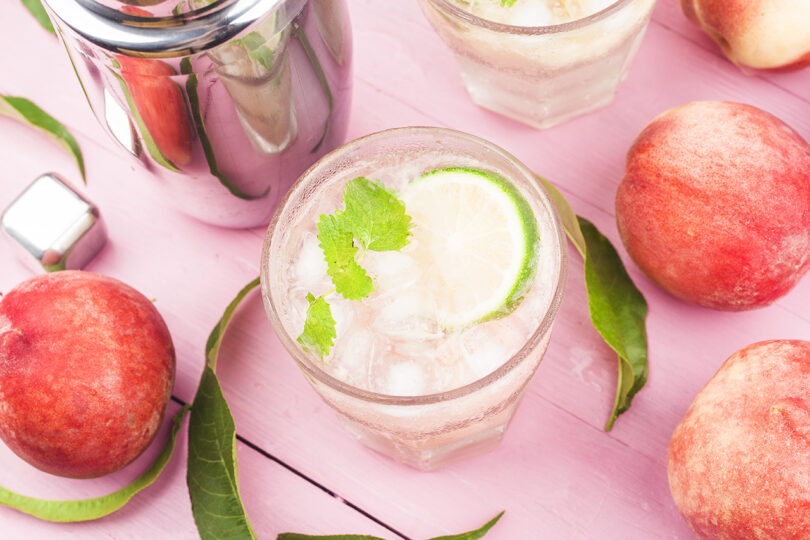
[(617, 308), (618, 311), (301, 36), (39, 13), (336, 242), (88, 509), (148, 141), (375, 216), (473, 535), (507, 3), (297, 536), (26, 111), (319, 328), (213, 475), (216, 335), (199, 126), (567, 215)]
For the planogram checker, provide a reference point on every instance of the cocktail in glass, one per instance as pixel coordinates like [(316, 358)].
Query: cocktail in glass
[(541, 62), (408, 375)]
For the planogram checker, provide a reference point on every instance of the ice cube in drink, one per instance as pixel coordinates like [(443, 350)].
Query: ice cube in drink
[(541, 62), (430, 366)]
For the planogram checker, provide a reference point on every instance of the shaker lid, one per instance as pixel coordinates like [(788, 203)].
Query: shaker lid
[(163, 28)]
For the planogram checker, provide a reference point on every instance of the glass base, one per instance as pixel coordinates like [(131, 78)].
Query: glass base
[(428, 452)]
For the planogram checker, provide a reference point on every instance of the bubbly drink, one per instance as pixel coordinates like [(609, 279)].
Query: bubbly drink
[(541, 62), (430, 363)]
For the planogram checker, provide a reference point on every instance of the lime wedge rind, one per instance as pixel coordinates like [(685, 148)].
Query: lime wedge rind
[(518, 217)]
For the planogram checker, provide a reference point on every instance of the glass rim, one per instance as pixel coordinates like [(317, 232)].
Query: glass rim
[(449, 7), (531, 342)]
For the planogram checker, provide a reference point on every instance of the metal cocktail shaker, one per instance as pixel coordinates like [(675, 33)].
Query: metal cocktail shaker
[(227, 102)]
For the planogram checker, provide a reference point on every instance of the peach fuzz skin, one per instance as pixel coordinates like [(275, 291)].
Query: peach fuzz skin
[(739, 461), (715, 205), (756, 34), (86, 372)]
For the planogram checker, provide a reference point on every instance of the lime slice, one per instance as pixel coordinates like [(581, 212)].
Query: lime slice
[(476, 239)]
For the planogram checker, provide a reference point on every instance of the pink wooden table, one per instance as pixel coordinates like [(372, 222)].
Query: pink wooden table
[(557, 473)]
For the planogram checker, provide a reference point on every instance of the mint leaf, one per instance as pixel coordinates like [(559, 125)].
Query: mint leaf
[(213, 475), (375, 216), (39, 13), (319, 328), (617, 308), (349, 278), (87, 509), (29, 113), (507, 3)]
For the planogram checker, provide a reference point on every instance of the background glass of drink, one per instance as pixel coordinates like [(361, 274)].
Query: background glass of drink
[(431, 429), (542, 75), (225, 102)]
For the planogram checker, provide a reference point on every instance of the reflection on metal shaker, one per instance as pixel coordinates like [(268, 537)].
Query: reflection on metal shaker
[(226, 102)]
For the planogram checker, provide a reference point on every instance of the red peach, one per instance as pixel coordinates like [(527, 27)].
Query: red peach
[(739, 461), (715, 205), (86, 372), (759, 34)]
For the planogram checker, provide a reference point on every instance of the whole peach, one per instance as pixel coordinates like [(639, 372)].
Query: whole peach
[(759, 34), (715, 205), (86, 372), (739, 461)]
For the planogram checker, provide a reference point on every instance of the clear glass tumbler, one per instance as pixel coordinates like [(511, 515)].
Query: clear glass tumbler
[(225, 102), (424, 431), (542, 75)]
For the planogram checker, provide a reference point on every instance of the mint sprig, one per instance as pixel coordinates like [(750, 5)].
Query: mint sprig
[(507, 3), (373, 219)]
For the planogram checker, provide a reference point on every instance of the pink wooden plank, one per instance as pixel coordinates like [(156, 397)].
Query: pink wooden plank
[(669, 15), (282, 502)]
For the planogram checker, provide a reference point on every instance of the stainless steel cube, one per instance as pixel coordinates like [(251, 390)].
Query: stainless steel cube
[(53, 227)]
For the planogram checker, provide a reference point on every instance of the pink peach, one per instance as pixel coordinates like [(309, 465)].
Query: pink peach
[(715, 205), (739, 461), (759, 34), (86, 372)]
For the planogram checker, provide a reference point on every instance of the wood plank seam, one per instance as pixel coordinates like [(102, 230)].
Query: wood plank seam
[(267, 455)]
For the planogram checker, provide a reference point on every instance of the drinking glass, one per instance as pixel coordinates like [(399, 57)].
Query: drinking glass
[(542, 75), (424, 431)]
